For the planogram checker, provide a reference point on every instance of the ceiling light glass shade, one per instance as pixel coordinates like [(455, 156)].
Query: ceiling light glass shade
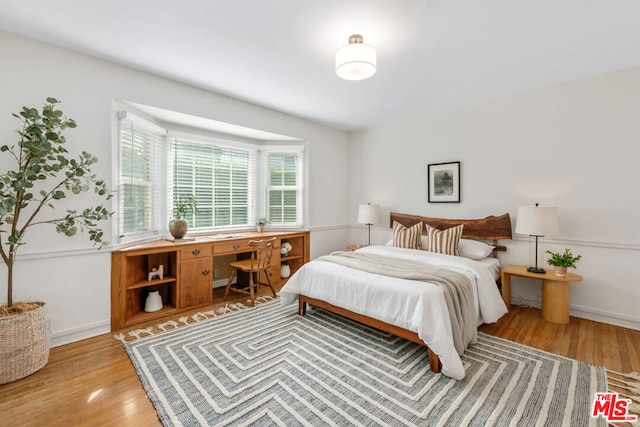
[(537, 221), (356, 61)]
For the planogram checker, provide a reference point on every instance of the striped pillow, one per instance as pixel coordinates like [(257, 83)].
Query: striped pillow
[(444, 241), (404, 237)]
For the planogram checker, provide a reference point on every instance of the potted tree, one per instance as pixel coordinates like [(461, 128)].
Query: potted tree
[(563, 261), (43, 174), (179, 225)]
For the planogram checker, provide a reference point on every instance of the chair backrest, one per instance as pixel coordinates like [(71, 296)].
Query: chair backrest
[(261, 253)]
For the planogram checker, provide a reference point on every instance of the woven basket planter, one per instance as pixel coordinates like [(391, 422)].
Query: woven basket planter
[(24, 344)]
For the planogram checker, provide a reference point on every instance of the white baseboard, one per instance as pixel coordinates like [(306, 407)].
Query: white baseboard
[(221, 283), (588, 313), (67, 336), (90, 330)]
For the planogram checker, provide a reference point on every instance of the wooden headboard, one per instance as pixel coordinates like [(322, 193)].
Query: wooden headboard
[(490, 228)]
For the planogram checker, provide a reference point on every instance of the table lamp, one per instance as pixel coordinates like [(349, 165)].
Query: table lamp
[(368, 214), (537, 222)]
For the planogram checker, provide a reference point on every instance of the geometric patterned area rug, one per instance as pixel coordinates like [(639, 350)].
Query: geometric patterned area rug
[(268, 366), (189, 319)]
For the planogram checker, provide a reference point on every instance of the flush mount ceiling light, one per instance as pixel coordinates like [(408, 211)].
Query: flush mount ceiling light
[(356, 61)]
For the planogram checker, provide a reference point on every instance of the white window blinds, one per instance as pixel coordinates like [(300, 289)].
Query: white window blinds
[(141, 184), (232, 181), (285, 188), (220, 178)]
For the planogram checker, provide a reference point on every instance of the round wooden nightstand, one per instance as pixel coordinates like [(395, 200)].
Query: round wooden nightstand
[(555, 291)]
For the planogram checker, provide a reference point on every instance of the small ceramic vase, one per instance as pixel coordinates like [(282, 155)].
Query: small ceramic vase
[(285, 271), (153, 302)]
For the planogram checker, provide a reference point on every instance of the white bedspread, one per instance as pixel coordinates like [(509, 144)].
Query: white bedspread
[(412, 305)]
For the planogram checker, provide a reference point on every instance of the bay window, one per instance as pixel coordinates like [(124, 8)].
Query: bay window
[(234, 182)]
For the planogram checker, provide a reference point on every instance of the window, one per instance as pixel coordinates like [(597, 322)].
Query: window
[(140, 183), (219, 178), (284, 191), (233, 182)]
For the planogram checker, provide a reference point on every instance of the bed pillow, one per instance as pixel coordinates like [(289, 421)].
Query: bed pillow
[(444, 241), (423, 242), (474, 249), (404, 237)]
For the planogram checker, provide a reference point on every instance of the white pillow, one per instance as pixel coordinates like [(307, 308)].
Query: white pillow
[(474, 249)]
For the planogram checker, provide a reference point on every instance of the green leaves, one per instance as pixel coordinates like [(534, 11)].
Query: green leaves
[(57, 195), (565, 259), (87, 219), (44, 174)]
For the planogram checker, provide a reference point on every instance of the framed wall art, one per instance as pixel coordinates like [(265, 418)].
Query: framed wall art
[(443, 182)]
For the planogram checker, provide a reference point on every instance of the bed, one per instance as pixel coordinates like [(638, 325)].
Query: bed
[(407, 305)]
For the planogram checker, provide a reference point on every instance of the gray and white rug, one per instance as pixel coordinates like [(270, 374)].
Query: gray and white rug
[(268, 366)]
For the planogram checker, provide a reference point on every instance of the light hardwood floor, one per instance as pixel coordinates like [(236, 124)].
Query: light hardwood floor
[(92, 382)]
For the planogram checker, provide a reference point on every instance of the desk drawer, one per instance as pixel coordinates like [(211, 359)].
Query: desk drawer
[(233, 247), (239, 246), (195, 251)]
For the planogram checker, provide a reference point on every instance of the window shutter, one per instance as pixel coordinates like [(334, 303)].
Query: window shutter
[(142, 185), (233, 181), (221, 180), (285, 188)]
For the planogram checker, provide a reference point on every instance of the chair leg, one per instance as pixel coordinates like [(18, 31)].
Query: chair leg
[(266, 273), (251, 291), (226, 292)]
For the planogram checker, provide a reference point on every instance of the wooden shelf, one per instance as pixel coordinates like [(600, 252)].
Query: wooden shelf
[(154, 282), (143, 316)]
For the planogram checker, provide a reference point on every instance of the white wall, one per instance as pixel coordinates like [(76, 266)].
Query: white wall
[(67, 273), (569, 145), (572, 145)]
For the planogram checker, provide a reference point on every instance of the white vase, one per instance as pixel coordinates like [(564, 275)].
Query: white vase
[(153, 302), (285, 271)]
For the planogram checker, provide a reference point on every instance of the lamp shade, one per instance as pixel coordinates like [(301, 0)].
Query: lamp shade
[(537, 220), (368, 214), (356, 61)]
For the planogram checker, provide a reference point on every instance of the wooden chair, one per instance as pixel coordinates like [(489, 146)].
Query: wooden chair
[(259, 262)]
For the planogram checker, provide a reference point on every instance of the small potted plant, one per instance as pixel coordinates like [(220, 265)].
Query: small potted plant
[(563, 261), (260, 223), (179, 226)]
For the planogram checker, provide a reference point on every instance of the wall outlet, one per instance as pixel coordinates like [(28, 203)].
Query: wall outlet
[(216, 273)]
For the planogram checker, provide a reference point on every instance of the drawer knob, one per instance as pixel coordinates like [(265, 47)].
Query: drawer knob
[(195, 251), (205, 272), (236, 246)]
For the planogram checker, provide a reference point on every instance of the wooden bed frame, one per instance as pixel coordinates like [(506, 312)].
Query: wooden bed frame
[(492, 228)]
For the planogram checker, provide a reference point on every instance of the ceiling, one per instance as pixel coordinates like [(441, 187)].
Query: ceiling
[(432, 54)]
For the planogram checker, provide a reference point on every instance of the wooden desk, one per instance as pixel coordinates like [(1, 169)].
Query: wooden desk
[(188, 266), (555, 291)]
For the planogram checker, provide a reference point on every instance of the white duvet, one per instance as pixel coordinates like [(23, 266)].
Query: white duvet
[(413, 305)]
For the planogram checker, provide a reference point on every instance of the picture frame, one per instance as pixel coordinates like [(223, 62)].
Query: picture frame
[(443, 182)]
